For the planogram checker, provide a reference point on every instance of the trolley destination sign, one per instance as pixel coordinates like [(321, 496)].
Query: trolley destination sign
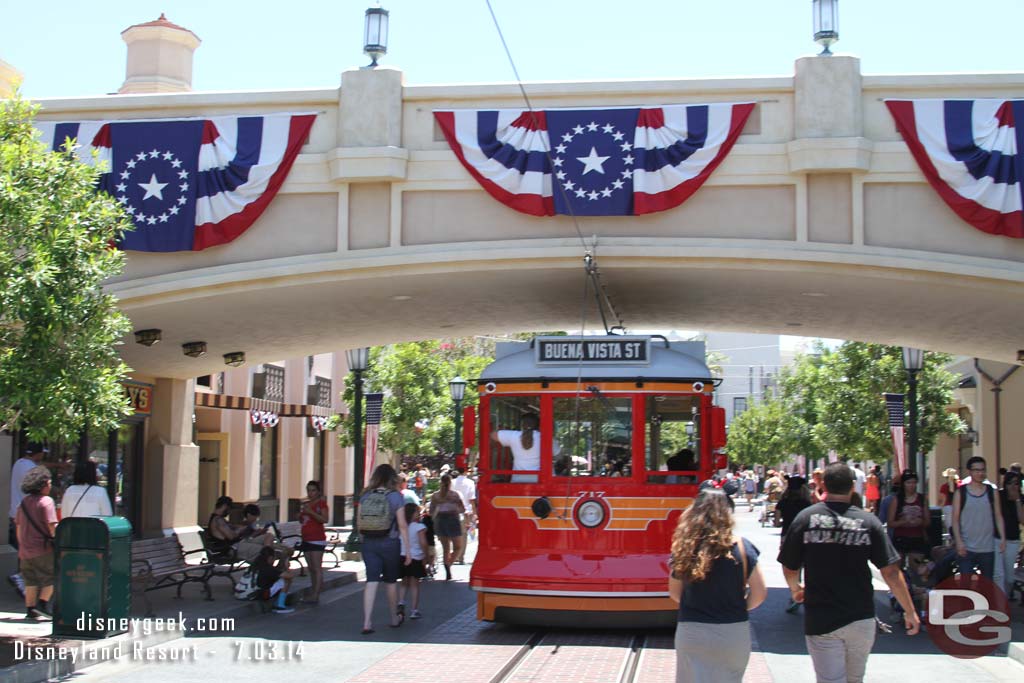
[(595, 351)]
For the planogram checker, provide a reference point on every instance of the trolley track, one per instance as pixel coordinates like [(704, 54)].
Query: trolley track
[(560, 655)]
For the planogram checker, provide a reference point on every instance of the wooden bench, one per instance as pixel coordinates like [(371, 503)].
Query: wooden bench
[(290, 533), (221, 563), (161, 563)]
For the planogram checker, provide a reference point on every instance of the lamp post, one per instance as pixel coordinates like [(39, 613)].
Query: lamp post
[(358, 359), (375, 34), (826, 24), (913, 360), (457, 389)]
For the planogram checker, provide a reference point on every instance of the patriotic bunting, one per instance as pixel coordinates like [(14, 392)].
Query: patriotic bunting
[(263, 419), (188, 184), (968, 151), (594, 162)]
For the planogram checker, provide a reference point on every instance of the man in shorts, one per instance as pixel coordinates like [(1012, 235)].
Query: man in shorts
[(833, 542)]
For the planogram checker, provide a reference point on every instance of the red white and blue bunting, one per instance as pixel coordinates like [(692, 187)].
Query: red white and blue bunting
[(594, 162), (188, 184), (263, 418), (971, 153)]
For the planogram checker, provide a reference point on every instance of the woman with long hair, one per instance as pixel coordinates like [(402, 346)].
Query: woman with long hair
[(86, 498), (711, 570), (445, 507), (382, 549), (525, 446), (818, 493), (313, 516), (794, 500), (908, 518)]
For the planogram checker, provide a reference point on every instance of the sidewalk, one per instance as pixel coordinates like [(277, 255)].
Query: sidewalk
[(18, 633)]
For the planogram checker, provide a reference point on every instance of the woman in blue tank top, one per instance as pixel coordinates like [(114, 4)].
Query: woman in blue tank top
[(711, 570)]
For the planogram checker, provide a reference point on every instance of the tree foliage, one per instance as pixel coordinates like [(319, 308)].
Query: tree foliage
[(833, 401), (764, 434), (418, 415), (59, 371)]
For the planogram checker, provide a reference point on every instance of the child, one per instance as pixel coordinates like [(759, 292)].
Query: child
[(275, 580), (412, 573), (431, 554)]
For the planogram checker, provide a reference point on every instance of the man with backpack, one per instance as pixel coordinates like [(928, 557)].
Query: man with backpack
[(977, 518)]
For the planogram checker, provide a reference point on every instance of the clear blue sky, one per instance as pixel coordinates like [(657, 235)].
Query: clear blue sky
[(73, 48)]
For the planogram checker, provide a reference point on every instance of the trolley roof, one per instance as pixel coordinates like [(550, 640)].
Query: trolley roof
[(598, 358)]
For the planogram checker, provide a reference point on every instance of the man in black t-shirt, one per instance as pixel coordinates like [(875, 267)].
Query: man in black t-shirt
[(833, 543)]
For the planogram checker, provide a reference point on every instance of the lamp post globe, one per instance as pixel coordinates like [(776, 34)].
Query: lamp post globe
[(457, 390)]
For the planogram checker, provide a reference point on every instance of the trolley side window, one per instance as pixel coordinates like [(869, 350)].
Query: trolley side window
[(593, 436), (673, 439), (515, 437)]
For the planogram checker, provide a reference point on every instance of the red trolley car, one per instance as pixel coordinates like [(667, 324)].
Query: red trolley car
[(577, 502)]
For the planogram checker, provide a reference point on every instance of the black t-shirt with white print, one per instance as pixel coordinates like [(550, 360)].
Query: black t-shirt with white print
[(834, 542)]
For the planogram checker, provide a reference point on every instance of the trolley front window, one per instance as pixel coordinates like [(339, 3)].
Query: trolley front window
[(593, 436), (515, 437), (673, 439)]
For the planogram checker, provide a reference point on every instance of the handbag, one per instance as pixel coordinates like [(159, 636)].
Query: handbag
[(744, 588), (47, 538)]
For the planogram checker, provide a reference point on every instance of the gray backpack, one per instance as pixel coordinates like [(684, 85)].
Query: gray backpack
[(375, 517)]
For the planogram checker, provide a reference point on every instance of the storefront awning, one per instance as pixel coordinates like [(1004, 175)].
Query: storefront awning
[(229, 402)]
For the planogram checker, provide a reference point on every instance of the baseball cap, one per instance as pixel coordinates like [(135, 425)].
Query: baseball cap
[(33, 447)]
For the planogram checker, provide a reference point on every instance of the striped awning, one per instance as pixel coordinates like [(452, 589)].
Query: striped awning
[(303, 410), (229, 402)]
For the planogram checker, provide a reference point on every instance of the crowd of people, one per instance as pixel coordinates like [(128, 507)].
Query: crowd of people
[(832, 527)]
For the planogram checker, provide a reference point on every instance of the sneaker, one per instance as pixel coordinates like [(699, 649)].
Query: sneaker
[(17, 583), (37, 614), (283, 610), (415, 614)]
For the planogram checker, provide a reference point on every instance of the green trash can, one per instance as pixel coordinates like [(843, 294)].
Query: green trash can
[(93, 557)]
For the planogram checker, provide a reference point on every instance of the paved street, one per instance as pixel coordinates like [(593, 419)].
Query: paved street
[(449, 640)]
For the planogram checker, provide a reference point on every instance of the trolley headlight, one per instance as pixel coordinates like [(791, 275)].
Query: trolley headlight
[(590, 514), (698, 387), (490, 387)]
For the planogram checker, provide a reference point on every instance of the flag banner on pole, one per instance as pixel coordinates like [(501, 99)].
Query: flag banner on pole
[(971, 153), (374, 407), (594, 162), (188, 184), (894, 407)]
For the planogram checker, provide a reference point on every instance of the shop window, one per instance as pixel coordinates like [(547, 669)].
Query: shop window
[(268, 463), (319, 457)]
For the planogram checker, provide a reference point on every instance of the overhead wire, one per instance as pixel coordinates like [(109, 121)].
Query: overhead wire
[(592, 275)]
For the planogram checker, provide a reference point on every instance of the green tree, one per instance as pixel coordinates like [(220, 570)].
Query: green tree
[(842, 399), (418, 415), (764, 434), (800, 386), (59, 371)]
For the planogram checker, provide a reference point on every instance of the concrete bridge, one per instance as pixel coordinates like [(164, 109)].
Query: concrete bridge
[(817, 223)]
